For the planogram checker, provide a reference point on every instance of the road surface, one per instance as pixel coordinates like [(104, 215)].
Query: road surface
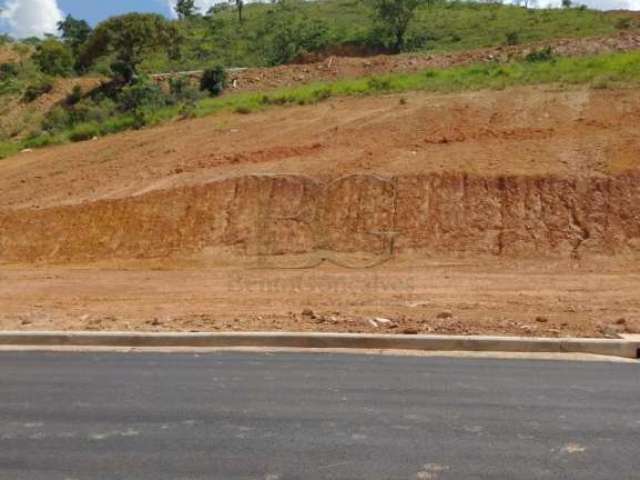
[(279, 416)]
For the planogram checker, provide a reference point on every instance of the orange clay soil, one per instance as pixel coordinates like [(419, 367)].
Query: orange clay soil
[(513, 212)]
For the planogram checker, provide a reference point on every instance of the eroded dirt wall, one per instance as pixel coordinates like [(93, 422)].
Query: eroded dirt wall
[(270, 215)]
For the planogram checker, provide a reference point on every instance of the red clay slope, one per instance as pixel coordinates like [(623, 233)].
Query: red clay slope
[(523, 173)]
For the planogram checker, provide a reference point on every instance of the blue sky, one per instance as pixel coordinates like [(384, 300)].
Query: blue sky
[(95, 10), (36, 17)]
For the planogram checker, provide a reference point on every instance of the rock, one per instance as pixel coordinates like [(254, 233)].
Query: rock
[(410, 331), (613, 331), (26, 150), (307, 312), (383, 321), (373, 323), (621, 321), (155, 322), (542, 319), (444, 315), (26, 322)]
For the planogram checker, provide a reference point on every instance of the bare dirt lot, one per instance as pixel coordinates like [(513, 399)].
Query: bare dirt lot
[(513, 212), (435, 297)]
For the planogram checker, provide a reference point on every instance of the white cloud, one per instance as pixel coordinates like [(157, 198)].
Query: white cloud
[(203, 5), (26, 18)]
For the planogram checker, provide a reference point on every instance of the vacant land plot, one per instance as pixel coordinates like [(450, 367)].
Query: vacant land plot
[(515, 212)]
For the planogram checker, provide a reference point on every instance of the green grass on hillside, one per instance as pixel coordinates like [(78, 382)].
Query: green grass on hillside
[(602, 71), (440, 26)]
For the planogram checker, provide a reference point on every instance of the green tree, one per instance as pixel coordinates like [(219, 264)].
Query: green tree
[(186, 8), (74, 32), (288, 32), (393, 18), (53, 58), (214, 80), (128, 39), (239, 8)]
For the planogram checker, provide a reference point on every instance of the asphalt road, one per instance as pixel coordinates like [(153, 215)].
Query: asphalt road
[(314, 416)]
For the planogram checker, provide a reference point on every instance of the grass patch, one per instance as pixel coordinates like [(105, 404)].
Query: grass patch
[(9, 148), (602, 70)]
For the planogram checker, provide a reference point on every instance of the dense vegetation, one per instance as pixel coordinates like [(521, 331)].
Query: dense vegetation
[(126, 49), (280, 32)]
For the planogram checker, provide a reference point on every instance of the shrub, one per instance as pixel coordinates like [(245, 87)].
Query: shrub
[(53, 58), (39, 140), (89, 110), (118, 124), (187, 110), (624, 23), (140, 119), (181, 90), (542, 55), (57, 119), (122, 72), (379, 84), (8, 70), (242, 109), (84, 131), (75, 96), (415, 40), (512, 38), (214, 80), (37, 89), (321, 94), (141, 94)]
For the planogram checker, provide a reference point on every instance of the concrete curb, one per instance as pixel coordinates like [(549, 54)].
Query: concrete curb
[(628, 348)]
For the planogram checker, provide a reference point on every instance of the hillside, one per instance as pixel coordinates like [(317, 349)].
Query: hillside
[(51, 120), (440, 34), (478, 188), (350, 30), (486, 190)]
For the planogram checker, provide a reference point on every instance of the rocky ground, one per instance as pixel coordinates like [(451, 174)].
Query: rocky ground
[(458, 297)]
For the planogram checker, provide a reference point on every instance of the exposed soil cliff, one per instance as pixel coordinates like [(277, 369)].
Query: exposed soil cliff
[(511, 216)]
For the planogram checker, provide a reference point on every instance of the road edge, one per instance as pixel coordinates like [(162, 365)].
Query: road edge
[(623, 347)]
